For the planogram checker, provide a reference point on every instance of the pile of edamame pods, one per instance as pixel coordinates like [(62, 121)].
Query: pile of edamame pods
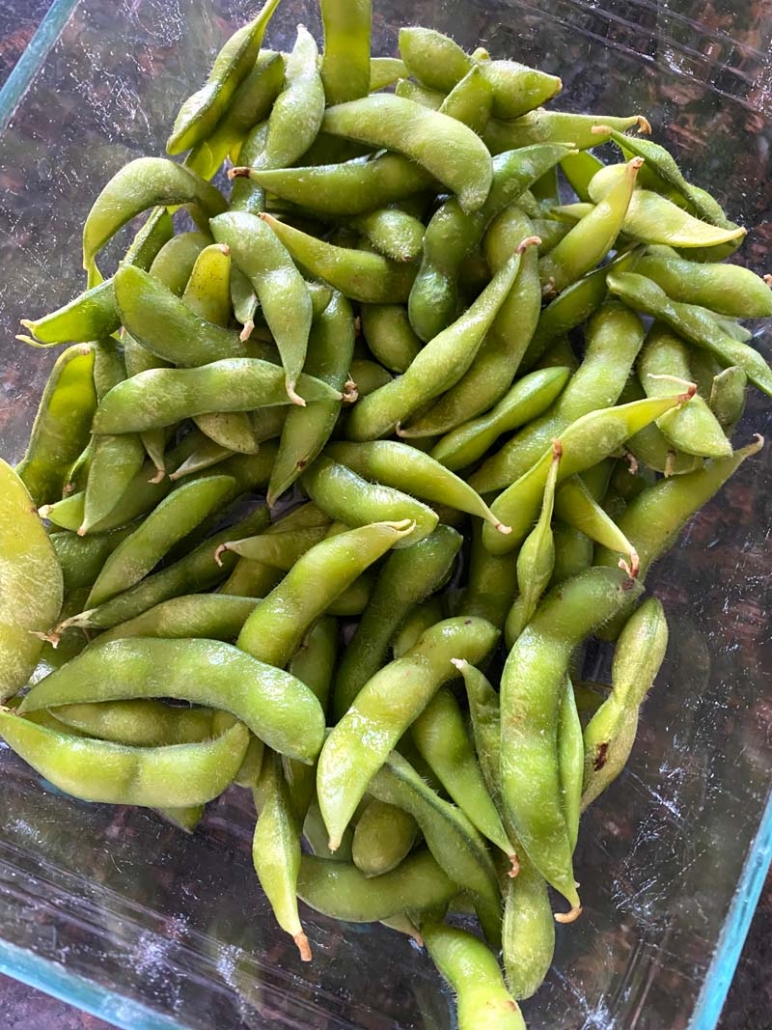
[(431, 388)]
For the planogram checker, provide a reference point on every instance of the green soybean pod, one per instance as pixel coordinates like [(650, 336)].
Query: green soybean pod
[(313, 664), (247, 195), (433, 58), (346, 496), (531, 688), (275, 706), (462, 162), (449, 835), (279, 623), (199, 115), (694, 428), (297, 113), (536, 559), (383, 837), (420, 618), (276, 850), (438, 367), (346, 59), (473, 973), (330, 350), (280, 288), (251, 104), (140, 184), (585, 443), (485, 718), (723, 288), (576, 506), (592, 238), (60, 431), (82, 557), (528, 931), (440, 735), (389, 335), (171, 521), (653, 520), (31, 574), (342, 189), (613, 339), (340, 890), (212, 616), (360, 743), (502, 349), (384, 71), (194, 572), (139, 723), (692, 323), (96, 770), (368, 376), (492, 582), (470, 101), (408, 577), (392, 232), (570, 761), (528, 398), (115, 459), (610, 734), (583, 131), (401, 466), (727, 396)]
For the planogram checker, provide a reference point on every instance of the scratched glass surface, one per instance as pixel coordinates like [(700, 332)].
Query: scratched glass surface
[(154, 928)]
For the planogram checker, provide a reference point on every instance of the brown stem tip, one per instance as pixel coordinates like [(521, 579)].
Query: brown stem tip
[(303, 946), (569, 917), (238, 173)]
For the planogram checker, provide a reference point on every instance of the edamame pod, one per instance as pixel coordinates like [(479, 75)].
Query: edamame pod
[(345, 496), (447, 149), (276, 850), (213, 616), (407, 578), (395, 464), (199, 115), (693, 428), (305, 432), (525, 401), (138, 723), (531, 685), (437, 367), (592, 238), (536, 560), (97, 770), (528, 931), (32, 583), (60, 431), (449, 835), (586, 442), (583, 131), (342, 891), (473, 974), (693, 324), (360, 743), (276, 706), (441, 738), (164, 325), (610, 734), (165, 396), (346, 60), (614, 338), (383, 837), (358, 274), (140, 184), (279, 623), (172, 520), (280, 288), (724, 288)]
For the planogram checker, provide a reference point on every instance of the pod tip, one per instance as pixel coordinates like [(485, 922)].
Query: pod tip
[(569, 917), (303, 946)]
